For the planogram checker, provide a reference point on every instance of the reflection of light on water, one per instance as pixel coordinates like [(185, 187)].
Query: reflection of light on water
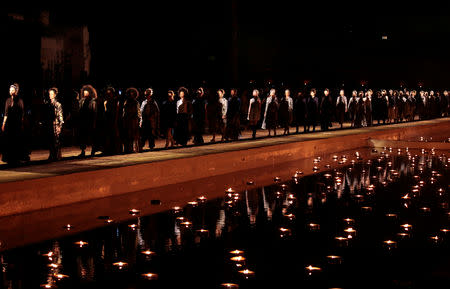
[(247, 273), (120, 265), (81, 243), (229, 285), (311, 269), (150, 276)]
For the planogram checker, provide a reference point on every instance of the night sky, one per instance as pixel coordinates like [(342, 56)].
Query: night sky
[(166, 45)]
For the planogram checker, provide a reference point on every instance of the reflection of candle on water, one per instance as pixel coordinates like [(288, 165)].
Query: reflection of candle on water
[(132, 226), (134, 212), (247, 273), (148, 252), (403, 236), (342, 241), (333, 259), (193, 203), (277, 179), (284, 232), (53, 265), (314, 227), (48, 285), (120, 265), (81, 243), (60, 276), (186, 224), (68, 227), (390, 244), (236, 252), (229, 285), (239, 261), (406, 227), (310, 269), (351, 232), (150, 276), (349, 221)]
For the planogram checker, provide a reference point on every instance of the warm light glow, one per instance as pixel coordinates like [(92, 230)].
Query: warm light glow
[(150, 276), (229, 285), (134, 212), (148, 252), (81, 243), (120, 264), (60, 276), (237, 258), (406, 227), (236, 252)]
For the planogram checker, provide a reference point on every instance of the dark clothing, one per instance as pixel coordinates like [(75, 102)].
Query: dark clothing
[(182, 131), (131, 115), (340, 109), (312, 112), (112, 143), (14, 148), (368, 111), (300, 112), (284, 114), (233, 129), (149, 122), (254, 114), (98, 137), (88, 115), (272, 114), (199, 119), (214, 115), (359, 112), (168, 115), (326, 112)]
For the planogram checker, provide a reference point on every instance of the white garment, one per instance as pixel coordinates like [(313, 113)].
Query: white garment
[(268, 101)]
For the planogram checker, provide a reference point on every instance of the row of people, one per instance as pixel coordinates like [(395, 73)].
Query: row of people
[(113, 123)]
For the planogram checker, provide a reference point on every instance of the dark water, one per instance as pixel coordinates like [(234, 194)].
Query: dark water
[(286, 233)]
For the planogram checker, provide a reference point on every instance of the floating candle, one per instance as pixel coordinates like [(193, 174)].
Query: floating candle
[(310, 269), (333, 259), (134, 212), (150, 276), (314, 227), (81, 243), (247, 273), (148, 252), (60, 276), (120, 265), (229, 285), (236, 252), (406, 227), (389, 244), (68, 227)]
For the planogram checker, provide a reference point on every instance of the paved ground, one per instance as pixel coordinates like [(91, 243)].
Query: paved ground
[(40, 168)]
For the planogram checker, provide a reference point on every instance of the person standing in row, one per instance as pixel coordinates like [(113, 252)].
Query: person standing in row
[(112, 144), (214, 115), (368, 107), (326, 110), (271, 113), (184, 114), (233, 119), (88, 115), (57, 120), (168, 118), (286, 111), (131, 116), (312, 110), (13, 121), (224, 104), (149, 122), (300, 111), (254, 112), (341, 107), (199, 116)]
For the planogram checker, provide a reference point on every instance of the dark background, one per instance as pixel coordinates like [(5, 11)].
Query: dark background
[(227, 43)]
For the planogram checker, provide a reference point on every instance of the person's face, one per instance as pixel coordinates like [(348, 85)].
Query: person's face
[(272, 92), (341, 92), (354, 93), (287, 93), (233, 92), (181, 94), (220, 93), (85, 93), (326, 92), (313, 94), (445, 92), (390, 91), (255, 93), (12, 91), (52, 95), (170, 95)]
